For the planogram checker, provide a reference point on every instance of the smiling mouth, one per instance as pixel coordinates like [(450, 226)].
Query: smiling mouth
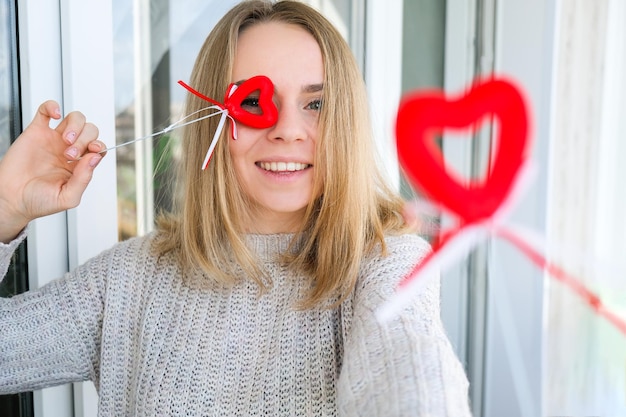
[(283, 166)]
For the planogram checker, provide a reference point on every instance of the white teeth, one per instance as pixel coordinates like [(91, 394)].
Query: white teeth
[(282, 166)]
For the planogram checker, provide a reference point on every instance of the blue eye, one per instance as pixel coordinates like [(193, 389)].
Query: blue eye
[(315, 105)]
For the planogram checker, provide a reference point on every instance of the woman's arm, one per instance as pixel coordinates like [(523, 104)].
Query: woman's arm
[(52, 335), (405, 366), (49, 336)]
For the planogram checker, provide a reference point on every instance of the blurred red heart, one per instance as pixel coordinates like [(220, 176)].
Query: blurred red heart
[(424, 114)]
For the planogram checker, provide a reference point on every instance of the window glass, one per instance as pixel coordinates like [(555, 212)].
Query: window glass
[(8, 73), (423, 42), (16, 279), (585, 353), (156, 42)]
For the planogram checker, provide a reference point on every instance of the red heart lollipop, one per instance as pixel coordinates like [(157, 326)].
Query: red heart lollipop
[(423, 114)]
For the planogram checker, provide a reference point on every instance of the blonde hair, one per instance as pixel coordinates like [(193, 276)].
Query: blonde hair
[(355, 208)]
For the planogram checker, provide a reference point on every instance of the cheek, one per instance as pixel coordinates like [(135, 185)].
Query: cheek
[(246, 138), (245, 135), (242, 153), (313, 127)]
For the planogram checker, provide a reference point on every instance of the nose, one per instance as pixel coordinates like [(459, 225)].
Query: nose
[(290, 125)]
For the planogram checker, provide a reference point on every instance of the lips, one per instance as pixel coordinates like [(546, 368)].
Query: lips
[(283, 166)]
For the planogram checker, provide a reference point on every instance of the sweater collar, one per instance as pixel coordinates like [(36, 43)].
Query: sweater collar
[(266, 247)]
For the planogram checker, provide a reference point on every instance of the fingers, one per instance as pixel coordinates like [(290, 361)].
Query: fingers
[(81, 176), (83, 140), (72, 127), (80, 136), (85, 149), (97, 147), (47, 110)]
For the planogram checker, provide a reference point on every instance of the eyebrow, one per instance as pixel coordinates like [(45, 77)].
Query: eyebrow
[(312, 88)]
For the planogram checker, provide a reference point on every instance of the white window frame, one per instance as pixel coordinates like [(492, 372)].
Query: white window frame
[(66, 55), (40, 73), (383, 77)]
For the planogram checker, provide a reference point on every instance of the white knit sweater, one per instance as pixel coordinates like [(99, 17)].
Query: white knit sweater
[(153, 346)]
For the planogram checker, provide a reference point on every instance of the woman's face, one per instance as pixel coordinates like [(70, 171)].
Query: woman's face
[(275, 165)]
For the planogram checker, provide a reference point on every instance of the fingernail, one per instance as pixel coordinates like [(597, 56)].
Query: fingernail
[(95, 160), (57, 112), (71, 137), (72, 152)]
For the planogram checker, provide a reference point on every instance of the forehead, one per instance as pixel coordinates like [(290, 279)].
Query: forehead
[(285, 53)]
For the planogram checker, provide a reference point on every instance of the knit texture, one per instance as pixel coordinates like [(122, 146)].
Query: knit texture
[(153, 345)]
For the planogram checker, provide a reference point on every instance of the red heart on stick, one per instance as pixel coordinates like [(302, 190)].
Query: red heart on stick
[(234, 99), (269, 113), (422, 115)]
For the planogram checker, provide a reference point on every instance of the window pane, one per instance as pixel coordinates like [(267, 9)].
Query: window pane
[(156, 42), (585, 353), (16, 279), (9, 124)]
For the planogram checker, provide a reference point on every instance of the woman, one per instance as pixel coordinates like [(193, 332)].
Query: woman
[(257, 296)]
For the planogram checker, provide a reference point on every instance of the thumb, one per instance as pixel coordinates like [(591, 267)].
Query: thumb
[(80, 179), (47, 110)]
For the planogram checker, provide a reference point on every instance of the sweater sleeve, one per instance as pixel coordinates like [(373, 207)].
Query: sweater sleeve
[(50, 336), (7, 250), (405, 366)]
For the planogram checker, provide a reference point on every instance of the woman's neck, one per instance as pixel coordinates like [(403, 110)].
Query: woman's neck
[(268, 223)]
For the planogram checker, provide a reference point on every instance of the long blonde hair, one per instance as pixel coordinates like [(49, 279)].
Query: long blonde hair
[(355, 208)]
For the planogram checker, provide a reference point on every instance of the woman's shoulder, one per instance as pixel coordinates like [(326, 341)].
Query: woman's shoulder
[(406, 241), (129, 266), (399, 249), (127, 255), (384, 268), (132, 246)]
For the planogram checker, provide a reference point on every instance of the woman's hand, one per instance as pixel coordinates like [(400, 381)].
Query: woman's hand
[(46, 170)]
